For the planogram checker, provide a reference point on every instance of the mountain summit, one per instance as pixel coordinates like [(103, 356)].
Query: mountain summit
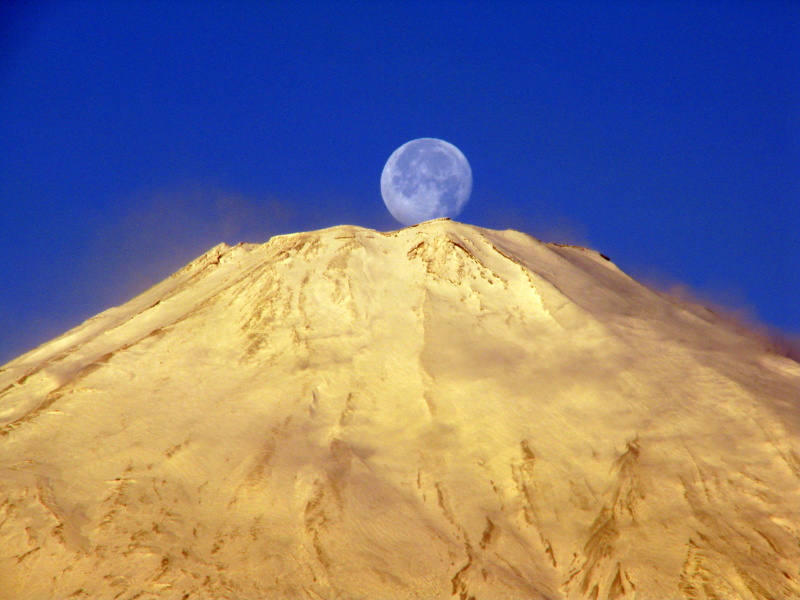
[(438, 412)]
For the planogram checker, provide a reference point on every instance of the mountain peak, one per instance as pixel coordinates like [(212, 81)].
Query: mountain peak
[(435, 412)]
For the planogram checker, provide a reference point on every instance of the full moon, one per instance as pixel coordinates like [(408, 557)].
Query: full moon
[(426, 179)]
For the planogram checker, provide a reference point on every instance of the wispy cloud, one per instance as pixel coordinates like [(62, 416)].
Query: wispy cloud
[(159, 233), (155, 234)]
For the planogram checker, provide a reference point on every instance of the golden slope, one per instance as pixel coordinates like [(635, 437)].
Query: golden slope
[(443, 411)]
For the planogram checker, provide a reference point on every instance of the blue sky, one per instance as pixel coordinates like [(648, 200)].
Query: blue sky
[(136, 135)]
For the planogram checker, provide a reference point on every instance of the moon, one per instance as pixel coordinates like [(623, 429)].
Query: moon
[(426, 179)]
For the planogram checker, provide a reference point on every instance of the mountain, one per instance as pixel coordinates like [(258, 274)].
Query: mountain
[(438, 412)]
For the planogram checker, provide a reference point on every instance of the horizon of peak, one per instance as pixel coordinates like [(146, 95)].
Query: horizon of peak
[(432, 224)]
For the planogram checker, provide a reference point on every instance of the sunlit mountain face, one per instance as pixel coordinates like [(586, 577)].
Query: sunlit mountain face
[(438, 412)]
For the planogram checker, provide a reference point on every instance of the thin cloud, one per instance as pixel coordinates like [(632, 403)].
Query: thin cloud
[(160, 233), (728, 303), (537, 220), (155, 235), (730, 306)]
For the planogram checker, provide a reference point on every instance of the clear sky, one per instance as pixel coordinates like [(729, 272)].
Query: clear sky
[(136, 135)]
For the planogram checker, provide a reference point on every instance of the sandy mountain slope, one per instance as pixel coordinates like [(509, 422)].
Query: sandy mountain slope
[(439, 412)]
